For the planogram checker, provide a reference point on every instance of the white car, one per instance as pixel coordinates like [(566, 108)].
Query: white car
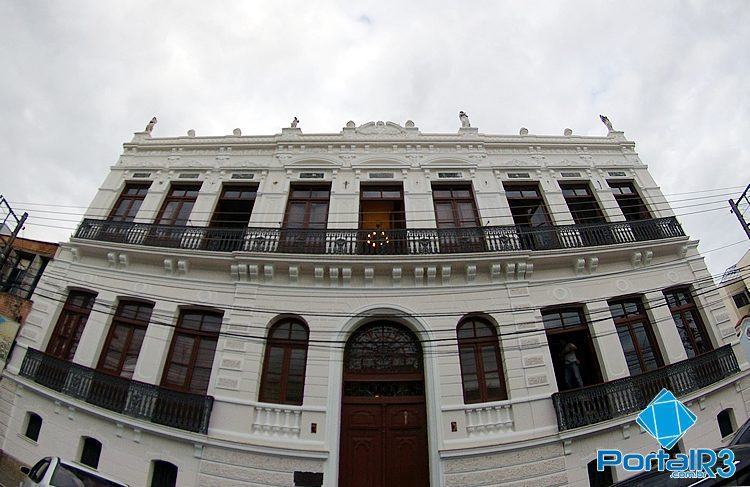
[(56, 472)]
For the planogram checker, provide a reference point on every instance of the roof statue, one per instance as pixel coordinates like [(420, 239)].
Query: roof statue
[(606, 122), (150, 125), (295, 121), (464, 117)]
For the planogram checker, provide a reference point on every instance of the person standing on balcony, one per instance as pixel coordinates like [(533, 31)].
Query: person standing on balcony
[(572, 365)]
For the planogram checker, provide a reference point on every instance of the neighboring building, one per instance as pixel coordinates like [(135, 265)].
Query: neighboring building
[(378, 306), (20, 275), (734, 287)]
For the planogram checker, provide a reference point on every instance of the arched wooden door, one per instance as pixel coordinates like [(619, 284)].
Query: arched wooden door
[(383, 414)]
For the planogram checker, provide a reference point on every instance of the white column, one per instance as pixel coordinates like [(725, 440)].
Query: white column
[(270, 202), (418, 204), (556, 205), (205, 202), (343, 209), (152, 202), (492, 204), (609, 205), (665, 329), (606, 341), (156, 343), (95, 330)]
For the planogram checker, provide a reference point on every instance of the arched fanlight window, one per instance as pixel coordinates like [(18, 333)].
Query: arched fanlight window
[(283, 380), (481, 364)]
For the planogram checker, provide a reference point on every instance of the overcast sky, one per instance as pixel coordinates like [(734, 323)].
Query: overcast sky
[(78, 78)]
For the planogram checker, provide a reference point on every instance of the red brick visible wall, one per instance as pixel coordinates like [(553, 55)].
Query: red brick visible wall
[(13, 307), (45, 249)]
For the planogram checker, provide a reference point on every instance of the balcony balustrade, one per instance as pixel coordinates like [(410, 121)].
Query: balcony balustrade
[(183, 410), (380, 242), (620, 397)]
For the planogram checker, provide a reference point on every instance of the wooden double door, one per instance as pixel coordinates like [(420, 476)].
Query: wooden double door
[(384, 443)]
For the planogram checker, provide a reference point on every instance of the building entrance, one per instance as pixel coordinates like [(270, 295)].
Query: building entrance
[(383, 414)]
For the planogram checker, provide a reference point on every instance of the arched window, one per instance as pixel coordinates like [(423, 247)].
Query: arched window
[(597, 478), (481, 365), (33, 426), (283, 380), (91, 451), (163, 474), (726, 422)]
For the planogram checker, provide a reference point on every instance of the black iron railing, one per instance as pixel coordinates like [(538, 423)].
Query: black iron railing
[(186, 411), (385, 242), (593, 404)]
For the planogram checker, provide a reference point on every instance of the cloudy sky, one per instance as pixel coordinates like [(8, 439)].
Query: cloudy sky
[(78, 78)]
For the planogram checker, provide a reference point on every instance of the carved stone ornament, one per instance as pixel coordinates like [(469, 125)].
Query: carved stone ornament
[(385, 129)]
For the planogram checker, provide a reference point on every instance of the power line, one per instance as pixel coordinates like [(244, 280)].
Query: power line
[(434, 342), (653, 204), (701, 281)]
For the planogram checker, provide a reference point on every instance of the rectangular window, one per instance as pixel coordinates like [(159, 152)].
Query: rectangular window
[(689, 323), (178, 205), (235, 206), (70, 324), (530, 216), (129, 202), (636, 335), (306, 219), (741, 299), (629, 201), (571, 348), (125, 337), (191, 354), (457, 218), (381, 219), (21, 274), (582, 203)]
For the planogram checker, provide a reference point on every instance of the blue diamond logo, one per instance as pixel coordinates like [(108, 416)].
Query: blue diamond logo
[(666, 419)]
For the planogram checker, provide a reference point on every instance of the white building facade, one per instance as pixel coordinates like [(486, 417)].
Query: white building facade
[(375, 307)]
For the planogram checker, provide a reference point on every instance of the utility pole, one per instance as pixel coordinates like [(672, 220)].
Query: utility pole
[(744, 202), (10, 226)]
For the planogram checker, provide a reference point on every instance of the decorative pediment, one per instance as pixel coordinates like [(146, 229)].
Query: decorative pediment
[(380, 129), (377, 162), (449, 162), (312, 162)]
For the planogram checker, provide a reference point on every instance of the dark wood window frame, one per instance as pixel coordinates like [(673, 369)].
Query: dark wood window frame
[(64, 346), (576, 198), (128, 199), (682, 309), (627, 321), (475, 345), (581, 326), (181, 201), (308, 201), (247, 192), (287, 345), (454, 201), (629, 200), (523, 193), (132, 324), (198, 336)]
